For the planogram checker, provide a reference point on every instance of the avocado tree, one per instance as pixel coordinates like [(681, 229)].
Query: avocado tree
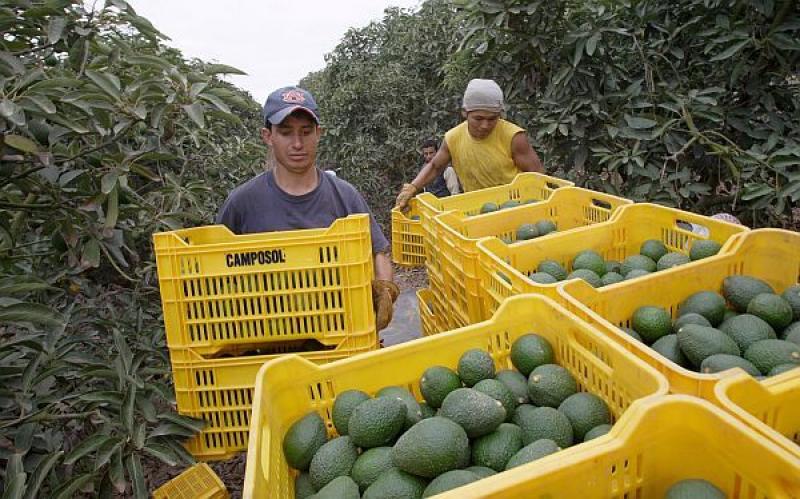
[(384, 89), (692, 103), (106, 136)]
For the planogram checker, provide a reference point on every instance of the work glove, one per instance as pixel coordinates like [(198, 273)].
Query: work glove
[(384, 294), (406, 193)]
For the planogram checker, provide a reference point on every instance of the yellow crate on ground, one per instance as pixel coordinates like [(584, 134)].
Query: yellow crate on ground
[(524, 187), (659, 442), (197, 482), (220, 390), (220, 290), (770, 407), (426, 315), (290, 387), (458, 235), (769, 254), (408, 248), (504, 268)]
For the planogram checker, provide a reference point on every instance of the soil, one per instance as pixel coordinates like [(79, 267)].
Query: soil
[(231, 471)]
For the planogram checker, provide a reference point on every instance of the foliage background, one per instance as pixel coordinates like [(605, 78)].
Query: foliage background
[(107, 135), (692, 103)]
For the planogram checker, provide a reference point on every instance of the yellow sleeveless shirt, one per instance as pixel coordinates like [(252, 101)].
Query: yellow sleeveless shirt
[(483, 163)]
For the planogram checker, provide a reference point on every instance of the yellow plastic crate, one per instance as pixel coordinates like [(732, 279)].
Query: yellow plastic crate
[(197, 482), (659, 442), (770, 407), (289, 387), (220, 391), (408, 248), (425, 300), (220, 290), (504, 268), (769, 254), (458, 234), (524, 187)]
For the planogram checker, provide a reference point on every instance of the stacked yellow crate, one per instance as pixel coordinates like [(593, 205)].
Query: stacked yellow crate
[(233, 302)]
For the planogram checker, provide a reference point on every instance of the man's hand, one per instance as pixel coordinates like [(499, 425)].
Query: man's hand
[(384, 294), (406, 193)]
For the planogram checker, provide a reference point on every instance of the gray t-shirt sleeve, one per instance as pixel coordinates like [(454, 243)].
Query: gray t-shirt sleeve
[(379, 242), (228, 215)]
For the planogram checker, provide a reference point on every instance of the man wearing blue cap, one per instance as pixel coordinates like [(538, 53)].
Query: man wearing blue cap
[(297, 195)]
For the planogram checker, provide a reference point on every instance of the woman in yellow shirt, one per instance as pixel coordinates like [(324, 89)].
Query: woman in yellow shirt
[(485, 150)]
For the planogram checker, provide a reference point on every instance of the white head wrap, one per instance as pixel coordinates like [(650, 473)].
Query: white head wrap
[(483, 95)]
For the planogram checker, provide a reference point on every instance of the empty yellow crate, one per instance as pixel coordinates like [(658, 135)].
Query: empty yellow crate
[(524, 187), (659, 442), (220, 290), (290, 387), (770, 407), (408, 248), (197, 482), (504, 268), (220, 391), (769, 254), (458, 234)]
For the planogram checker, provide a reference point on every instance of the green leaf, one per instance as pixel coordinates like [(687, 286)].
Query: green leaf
[(192, 424), (21, 143), (591, 44), (128, 405), (195, 112), (109, 181), (40, 474), (91, 254), (107, 82), (12, 112), (13, 62), (112, 209), (55, 28), (730, 51), (116, 472), (171, 430), (137, 477), (70, 489), (162, 453), (15, 487), (43, 103), (103, 397), (144, 172), (148, 60), (27, 342), (87, 446), (196, 88), (104, 454), (639, 123), (219, 103), (30, 312), (212, 69)]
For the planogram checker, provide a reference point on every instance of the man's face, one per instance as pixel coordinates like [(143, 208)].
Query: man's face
[(294, 142), (481, 123), (428, 153)]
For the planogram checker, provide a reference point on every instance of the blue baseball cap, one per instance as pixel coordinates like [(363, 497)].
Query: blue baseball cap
[(284, 101)]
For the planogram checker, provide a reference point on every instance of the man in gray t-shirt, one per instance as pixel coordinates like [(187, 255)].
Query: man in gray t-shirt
[(298, 195)]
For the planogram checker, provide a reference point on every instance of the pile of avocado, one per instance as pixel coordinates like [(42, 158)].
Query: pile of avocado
[(511, 203), (590, 266), (749, 326), (474, 422)]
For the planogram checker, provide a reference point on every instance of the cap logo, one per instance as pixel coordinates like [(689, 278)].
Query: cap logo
[(293, 96)]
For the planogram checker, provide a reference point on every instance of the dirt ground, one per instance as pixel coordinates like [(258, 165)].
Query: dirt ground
[(232, 471)]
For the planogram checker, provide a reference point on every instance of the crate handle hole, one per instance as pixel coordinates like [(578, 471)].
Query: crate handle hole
[(601, 204)]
